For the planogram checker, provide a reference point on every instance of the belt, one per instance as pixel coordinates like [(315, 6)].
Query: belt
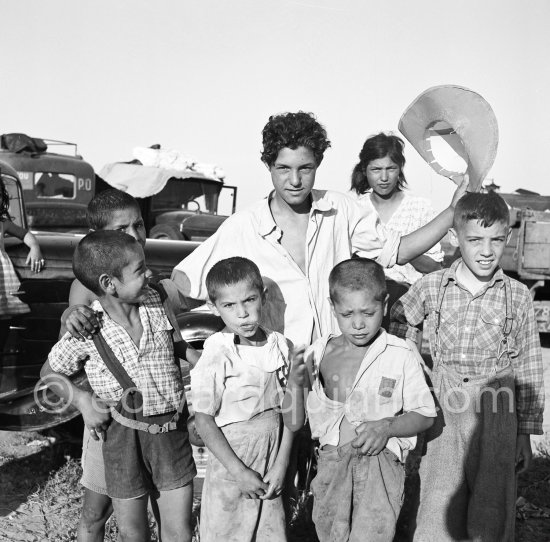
[(152, 428)]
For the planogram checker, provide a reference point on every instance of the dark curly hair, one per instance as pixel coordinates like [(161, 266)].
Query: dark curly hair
[(375, 147), (293, 130)]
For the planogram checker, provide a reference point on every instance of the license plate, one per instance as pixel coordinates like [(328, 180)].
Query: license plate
[(542, 316)]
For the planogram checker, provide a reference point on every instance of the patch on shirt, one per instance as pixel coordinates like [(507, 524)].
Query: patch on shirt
[(387, 385)]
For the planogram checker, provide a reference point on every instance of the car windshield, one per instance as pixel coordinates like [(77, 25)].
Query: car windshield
[(187, 194), (54, 185)]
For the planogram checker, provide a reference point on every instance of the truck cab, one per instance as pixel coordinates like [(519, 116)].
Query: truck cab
[(57, 187)]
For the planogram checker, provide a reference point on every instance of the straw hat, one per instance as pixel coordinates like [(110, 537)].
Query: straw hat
[(463, 119)]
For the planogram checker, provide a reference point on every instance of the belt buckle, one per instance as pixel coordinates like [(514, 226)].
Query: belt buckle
[(154, 429)]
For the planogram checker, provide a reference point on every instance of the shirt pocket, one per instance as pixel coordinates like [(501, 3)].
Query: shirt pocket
[(489, 329), (385, 387), (448, 327), (162, 339)]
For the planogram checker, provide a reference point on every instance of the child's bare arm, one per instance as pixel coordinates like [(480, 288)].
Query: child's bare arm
[(373, 436), (293, 402), (35, 258), (249, 481), (95, 413), (185, 351)]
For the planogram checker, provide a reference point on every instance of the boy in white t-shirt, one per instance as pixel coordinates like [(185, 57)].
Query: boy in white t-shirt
[(367, 401), (237, 389)]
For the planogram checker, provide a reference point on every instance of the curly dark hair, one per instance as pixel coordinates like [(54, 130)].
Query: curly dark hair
[(293, 130), (378, 146)]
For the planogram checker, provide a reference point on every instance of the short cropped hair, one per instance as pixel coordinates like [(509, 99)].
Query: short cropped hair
[(357, 274), (375, 147), (100, 252), (293, 130), (100, 210), (232, 271), (487, 208)]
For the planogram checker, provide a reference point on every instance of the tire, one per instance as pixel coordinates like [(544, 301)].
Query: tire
[(166, 231)]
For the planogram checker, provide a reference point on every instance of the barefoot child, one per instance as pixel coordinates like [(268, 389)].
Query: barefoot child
[(487, 377), (146, 448), (237, 388), (363, 381)]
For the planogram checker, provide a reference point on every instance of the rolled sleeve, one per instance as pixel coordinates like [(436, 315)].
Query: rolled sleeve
[(207, 382), (370, 239), (225, 243), (408, 312), (68, 355), (417, 396)]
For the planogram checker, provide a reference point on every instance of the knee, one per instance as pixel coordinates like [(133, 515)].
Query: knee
[(93, 519)]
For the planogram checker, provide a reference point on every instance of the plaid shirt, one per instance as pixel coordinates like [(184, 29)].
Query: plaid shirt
[(471, 333), (151, 366)]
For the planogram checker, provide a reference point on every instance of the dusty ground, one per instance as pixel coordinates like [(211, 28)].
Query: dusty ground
[(40, 496)]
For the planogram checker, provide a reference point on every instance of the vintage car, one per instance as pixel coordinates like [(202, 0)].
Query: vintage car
[(25, 403), (175, 204)]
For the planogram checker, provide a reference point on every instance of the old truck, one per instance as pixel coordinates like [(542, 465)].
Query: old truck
[(177, 204), (57, 187), (25, 403), (527, 256)]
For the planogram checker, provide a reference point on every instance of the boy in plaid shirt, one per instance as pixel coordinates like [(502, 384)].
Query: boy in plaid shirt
[(487, 379), (131, 367)]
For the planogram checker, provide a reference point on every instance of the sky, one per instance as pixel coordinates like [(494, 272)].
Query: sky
[(204, 76)]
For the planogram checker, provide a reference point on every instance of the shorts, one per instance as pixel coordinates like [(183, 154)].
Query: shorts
[(137, 462), (93, 468)]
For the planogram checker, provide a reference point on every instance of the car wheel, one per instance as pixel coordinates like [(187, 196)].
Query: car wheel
[(166, 231)]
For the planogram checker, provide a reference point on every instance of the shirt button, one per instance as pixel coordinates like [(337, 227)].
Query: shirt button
[(463, 356), (466, 380), (466, 329)]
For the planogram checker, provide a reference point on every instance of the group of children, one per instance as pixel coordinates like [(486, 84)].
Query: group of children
[(364, 393)]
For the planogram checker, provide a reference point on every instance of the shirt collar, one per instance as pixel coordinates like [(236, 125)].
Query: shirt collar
[(320, 202), (451, 275), (158, 320)]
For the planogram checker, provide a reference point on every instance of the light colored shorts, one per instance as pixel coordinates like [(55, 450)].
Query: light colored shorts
[(93, 468)]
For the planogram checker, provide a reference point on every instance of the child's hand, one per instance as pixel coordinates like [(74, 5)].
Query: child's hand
[(524, 454), (251, 484), (372, 437), (298, 371), (96, 415), (276, 480), (35, 259), (82, 322), (193, 355)]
